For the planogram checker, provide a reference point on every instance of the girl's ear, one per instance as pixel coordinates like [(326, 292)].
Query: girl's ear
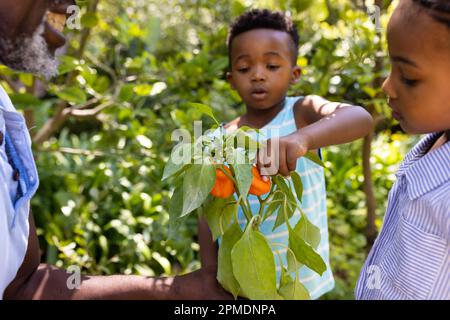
[(296, 74), (230, 80)]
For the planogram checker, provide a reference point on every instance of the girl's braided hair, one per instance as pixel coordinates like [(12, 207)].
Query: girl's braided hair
[(439, 9)]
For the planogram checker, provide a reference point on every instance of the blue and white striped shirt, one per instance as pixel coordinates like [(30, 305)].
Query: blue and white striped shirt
[(411, 257), (313, 205)]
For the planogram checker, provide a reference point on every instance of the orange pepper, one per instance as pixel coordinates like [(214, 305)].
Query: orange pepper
[(224, 186), (259, 186)]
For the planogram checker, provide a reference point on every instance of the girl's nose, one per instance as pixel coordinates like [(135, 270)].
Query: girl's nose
[(387, 87)]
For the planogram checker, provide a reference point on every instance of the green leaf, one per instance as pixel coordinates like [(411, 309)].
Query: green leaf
[(198, 181), (291, 289), (308, 232), (225, 274), (314, 158), (67, 64), (298, 185), (273, 205), (254, 266), (24, 100), (178, 161), (292, 264), (218, 65), (283, 186), (72, 94), (27, 79), (171, 168), (103, 243), (143, 90), (163, 261), (205, 110), (144, 141), (305, 254), (285, 211), (89, 20), (302, 5), (175, 208), (219, 213), (126, 92), (244, 178)]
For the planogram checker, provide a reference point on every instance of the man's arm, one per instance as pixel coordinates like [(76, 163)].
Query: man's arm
[(42, 281)]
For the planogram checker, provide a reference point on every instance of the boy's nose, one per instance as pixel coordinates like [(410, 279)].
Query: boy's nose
[(258, 74)]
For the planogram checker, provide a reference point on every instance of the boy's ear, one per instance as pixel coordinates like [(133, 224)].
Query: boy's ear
[(230, 79), (296, 74)]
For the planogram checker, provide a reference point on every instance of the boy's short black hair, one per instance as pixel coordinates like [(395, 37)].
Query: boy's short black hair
[(264, 19)]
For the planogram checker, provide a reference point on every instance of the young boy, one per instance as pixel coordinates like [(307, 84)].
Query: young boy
[(411, 257), (263, 49)]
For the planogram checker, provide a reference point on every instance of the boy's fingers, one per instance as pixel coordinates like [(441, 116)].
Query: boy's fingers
[(291, 159), (283, 169), (265, 160)]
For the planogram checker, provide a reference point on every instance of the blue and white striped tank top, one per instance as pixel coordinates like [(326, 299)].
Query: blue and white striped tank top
[(313, 205)]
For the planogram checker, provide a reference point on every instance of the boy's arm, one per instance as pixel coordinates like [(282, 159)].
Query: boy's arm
[(321, 123), (328, 123)]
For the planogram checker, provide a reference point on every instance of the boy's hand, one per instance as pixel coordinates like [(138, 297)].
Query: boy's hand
[(281, 154)]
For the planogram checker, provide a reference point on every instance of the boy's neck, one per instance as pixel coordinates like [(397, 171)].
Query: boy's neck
[(257, 118)]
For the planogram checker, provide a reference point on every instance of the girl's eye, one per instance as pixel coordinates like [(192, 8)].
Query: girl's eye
[(409, 82), (273, 67)]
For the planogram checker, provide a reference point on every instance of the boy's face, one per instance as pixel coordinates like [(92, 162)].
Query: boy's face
[(262, 67), (419, 83)]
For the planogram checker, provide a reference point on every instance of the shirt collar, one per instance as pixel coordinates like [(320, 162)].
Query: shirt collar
[(425, 171), (5, 101)]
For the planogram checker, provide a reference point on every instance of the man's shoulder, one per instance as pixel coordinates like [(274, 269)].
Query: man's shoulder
[(5, 101)]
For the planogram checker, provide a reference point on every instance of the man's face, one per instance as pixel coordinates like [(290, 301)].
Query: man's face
[(262, 67), (418, 86), (30, 33)]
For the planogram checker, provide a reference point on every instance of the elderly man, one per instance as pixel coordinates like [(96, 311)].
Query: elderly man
[(30, 33)]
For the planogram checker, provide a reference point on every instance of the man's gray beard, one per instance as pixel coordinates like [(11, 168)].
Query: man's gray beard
[(29, 54)]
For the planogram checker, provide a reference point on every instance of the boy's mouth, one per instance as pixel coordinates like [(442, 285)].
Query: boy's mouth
[(259, 93)]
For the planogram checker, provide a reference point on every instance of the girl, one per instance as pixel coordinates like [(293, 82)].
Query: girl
[(411, 257)]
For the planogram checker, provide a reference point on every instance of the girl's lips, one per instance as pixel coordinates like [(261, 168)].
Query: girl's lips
[(397, 116)]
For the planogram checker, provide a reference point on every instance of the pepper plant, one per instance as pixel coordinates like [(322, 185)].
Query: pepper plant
[(214, 176)]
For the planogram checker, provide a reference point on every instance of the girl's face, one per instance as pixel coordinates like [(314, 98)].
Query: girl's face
[(419, 82)]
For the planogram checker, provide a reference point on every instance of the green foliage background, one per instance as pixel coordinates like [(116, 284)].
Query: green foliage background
[(125, 83)]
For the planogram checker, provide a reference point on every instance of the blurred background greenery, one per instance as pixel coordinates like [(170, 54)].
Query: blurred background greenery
[(102, 128)]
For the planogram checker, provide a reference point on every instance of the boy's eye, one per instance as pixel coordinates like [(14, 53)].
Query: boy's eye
[(409, 82), (273, 67), (242, 69)]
